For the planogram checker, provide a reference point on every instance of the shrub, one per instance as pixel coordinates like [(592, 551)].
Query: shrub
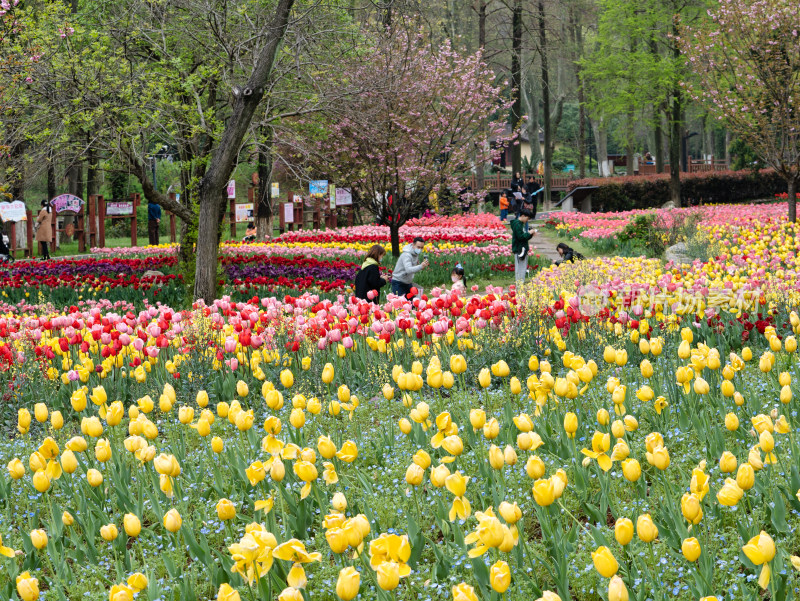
[(652, 191)]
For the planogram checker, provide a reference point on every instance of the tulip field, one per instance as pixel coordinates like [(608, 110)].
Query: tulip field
[(616, 429)]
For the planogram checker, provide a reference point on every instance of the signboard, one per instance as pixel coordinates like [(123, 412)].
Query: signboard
[(66, 203), (276, 190), (232, 189), (332, 197), (13, 211), (570, 167), (288, 212), (318, 186), (119, 208), (344, 197), (244, 213)]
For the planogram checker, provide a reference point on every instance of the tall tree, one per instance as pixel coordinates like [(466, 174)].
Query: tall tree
[(516, 83), (415, 128), (548, 130), (747, 60)]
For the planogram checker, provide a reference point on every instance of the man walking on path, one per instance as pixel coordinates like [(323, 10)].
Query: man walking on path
[(519, 244), (407, 265), (153, 220)]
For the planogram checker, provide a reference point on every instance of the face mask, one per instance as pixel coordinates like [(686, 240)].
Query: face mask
[(417, 250)]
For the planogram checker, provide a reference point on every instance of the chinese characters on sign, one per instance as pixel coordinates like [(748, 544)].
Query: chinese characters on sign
[(66, 203), (232, 189), (13, 211), (119, 208)]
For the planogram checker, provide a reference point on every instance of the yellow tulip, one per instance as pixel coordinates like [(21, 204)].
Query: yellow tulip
[(484, 378), (623, 531), (39, 539), (646, 529), (604, 562), (617, 591), (132, 525), (173, 520), (543, 492), (109, 532), (500, 576), (226, 510), (348, 583), (690, 548)]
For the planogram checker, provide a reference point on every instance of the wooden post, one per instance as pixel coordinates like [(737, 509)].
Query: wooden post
[(318, 214), (350, 216), (101, 222), (81, 230), (281, 219), (134, 220), (13, 240), (298, 215), (92, 202), (53, 223), (29, 232), (233, 218), (172, 236)]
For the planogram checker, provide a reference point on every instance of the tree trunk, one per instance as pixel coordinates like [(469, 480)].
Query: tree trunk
[(658, 138), (675, 149), (601, 143), (675, 125), (264, 200), (51, 178), (394, 235), (581, 97), (727, 149), (480, 166), (791, 185), (531, 105), (629, 147), (211, 193), (516, 84), (548, 149)]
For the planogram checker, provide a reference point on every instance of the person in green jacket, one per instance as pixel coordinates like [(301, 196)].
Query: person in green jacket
[(519, 244)]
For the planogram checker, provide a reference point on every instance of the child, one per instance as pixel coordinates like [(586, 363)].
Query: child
[(459, 279), (250, 233), (503, 206)]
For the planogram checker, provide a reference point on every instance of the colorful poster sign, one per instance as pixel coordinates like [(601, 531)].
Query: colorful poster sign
[(288, 212), (13, 211), (318, 186), (276, 189), (119, 208), (232, 189), (66, 203), (344, 197), (244, 213)]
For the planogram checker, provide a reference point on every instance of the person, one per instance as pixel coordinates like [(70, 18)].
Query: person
[(532, 190), (369, 278), (503, 206), (250, 233), (518, 202), (648, 158), (459, 279), (5, 251), (519, 244), (567, 254), (407, 265), (44, 232), (517, 182), (153, 220)]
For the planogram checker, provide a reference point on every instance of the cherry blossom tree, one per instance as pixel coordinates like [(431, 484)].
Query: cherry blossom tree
[(415, 128), (746, 60)]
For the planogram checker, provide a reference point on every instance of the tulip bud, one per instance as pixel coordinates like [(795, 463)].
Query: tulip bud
[(132, 525), (631, 470), (217, 444), (109, 532), (39, 539), (570, 424), (67, 519), (646, 529), (496, 458), (617, 590), (500, 576), (173, 520), (439, 475), (604, 562), (534, 467), (623, 531), (727, 462), (94, 477), (414, 474), (348, 583), (690, 548)]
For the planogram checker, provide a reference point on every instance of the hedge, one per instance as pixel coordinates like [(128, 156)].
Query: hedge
[(652, 191)]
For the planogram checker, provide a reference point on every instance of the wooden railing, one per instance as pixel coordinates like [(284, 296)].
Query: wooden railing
[(498, 181)]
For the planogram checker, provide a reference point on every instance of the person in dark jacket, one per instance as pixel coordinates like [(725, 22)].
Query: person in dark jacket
[(369, 278), (517, 183), (531, 196), (567, 254), (519, 244), (153, 220)]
